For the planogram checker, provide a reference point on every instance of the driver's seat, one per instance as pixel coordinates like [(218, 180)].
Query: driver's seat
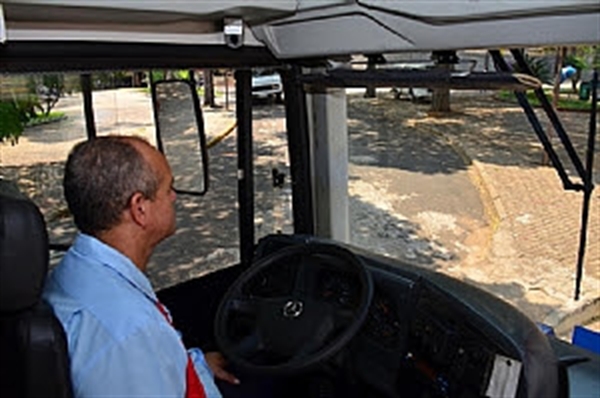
[(34, 359)]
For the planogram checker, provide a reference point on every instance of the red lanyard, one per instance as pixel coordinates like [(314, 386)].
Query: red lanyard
[(193, 385)]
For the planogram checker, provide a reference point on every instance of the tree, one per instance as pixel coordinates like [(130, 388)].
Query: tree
[(444, 63), (209, 88), (576, 61), (11, 126), (582, 58), (48, 88), (561, 53), (372, 61)]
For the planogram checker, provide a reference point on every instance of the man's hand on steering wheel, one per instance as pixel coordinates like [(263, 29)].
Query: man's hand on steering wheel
[(217, 363)]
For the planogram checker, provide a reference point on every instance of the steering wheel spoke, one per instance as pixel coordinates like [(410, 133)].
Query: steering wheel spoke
[(322, 334), (305, 279), (343, 317), (255, 306), (245, 305), (250, 345), (270, 332)]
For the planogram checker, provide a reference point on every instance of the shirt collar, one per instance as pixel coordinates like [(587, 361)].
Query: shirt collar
[(96, 250)]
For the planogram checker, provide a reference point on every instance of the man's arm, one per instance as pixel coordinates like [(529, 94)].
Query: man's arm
[(149, 363)]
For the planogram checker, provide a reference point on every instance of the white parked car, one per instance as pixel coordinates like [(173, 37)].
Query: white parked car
[(266, 84)]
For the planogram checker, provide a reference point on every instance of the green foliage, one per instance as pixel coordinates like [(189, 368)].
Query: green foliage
[(564, 103), (11, 126), (158, 75), (52, 81), (591, 55), (182, 74), (539, 68), (48, 88), (576, 62), (29, 102), (72, 83), (45, 119), (110, 80), (27, 106)]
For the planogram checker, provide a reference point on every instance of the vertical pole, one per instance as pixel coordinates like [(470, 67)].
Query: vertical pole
[(88, 105), (155, 112), (329, 146), (560, 56), (243, 91), (552, 116), (226, 90), (501, 65), (299, 151), (370, 91), (588, 186)]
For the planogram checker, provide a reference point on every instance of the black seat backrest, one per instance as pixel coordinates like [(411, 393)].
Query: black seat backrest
[(34, 359)]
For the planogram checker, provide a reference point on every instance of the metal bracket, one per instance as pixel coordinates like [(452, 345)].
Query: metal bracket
[(551, 113), (419, 78), (585, 173), (539, 130), (445, 57)]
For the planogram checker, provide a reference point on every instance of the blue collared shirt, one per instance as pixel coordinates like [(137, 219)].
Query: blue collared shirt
[(120, 345)]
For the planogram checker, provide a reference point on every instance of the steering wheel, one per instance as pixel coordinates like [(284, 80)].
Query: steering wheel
[(294, 308)]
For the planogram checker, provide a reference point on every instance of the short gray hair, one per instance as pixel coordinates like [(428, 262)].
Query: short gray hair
[(101, 176)]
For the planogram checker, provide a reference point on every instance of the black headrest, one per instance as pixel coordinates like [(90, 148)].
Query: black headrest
[(23, 253)]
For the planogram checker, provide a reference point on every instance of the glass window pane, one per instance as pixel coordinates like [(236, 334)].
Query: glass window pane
[(272, 181)]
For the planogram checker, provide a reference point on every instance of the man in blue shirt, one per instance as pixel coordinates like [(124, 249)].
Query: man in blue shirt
[(120, 338), (567, 72)]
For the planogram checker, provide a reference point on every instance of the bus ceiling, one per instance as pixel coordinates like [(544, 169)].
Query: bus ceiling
[(205, 33)]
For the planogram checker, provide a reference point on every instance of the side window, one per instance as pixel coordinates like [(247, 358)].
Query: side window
[(42, 119), (47, 119), (207, 237), (272, 182)]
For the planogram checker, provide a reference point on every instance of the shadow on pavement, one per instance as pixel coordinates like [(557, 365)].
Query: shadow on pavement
[(496, 132), (378, 137)]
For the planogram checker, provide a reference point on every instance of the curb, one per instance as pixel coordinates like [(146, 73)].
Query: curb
[(492, 207), (491, 198), (220, 137), (582, 315), (563, 322)]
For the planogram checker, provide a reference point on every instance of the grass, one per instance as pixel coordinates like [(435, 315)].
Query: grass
[(45, 119), (567, 101)]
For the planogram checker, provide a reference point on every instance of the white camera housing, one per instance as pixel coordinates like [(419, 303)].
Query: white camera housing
[(233, 29)]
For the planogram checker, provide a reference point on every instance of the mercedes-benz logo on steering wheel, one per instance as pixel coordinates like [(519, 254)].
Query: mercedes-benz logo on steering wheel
[(293, 309)]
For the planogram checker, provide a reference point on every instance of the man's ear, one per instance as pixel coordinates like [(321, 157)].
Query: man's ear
[(138, 209)]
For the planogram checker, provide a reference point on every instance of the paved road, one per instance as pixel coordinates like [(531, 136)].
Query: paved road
[(533, 252), (411, 195)]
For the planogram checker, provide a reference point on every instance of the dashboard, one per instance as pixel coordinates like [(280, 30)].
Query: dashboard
[(416, 343), (424, 335), (429, 335)]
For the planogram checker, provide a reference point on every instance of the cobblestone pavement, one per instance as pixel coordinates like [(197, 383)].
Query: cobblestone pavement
[(532, 255)]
